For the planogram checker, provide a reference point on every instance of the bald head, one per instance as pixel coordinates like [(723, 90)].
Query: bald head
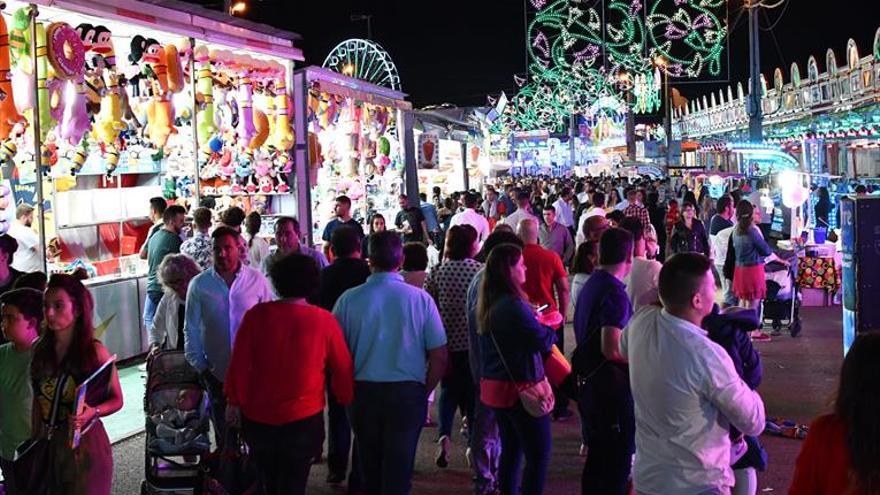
[(528, 230)]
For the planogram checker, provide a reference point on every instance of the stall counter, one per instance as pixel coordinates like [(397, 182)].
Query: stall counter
[(117, 315)]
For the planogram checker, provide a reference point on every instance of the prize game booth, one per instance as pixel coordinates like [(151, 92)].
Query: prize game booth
[(99, 112), (348, 139)]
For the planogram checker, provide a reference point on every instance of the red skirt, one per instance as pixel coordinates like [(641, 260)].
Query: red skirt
[(749, 282)]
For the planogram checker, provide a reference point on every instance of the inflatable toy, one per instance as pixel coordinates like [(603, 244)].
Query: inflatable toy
[(75, 122), (261, 124), (46, 121), (245, 129), (108, 122)]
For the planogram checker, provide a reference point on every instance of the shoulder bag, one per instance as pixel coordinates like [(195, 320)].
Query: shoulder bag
[(33, 458), (537, 398)]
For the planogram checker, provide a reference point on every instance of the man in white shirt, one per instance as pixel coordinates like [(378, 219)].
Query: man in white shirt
[(564, 211), (216, 302), (470, 217), (27, 259), (720, 229), (596, 210), (641, 283), (686, 390), (523, 211)]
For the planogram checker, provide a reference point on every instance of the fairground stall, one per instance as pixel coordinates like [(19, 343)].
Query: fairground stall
[(111, 103), (349, 134), (459, 142)]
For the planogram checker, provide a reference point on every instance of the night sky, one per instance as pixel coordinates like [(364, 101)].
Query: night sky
[(458, 51)]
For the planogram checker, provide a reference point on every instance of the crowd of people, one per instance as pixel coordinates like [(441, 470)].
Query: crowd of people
[(663, 289)]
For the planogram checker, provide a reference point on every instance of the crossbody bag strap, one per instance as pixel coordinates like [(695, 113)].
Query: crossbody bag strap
[(500, 355), (56, 401)]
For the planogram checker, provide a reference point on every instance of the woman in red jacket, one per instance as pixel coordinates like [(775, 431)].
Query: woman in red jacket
[(275, 382), (841, 454)]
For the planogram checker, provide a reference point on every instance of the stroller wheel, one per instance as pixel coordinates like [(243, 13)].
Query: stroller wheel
[(145, 489), (795, 328)]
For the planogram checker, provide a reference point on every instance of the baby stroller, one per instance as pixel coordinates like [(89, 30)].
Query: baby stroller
[(782, 303), (177, 426)]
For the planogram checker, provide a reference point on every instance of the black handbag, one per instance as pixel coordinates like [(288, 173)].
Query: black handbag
[(33, 458)]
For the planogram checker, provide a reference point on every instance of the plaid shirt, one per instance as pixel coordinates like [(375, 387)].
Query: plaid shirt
[(638, 211)]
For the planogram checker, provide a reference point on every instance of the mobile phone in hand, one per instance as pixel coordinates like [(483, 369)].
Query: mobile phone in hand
[(541, 308)]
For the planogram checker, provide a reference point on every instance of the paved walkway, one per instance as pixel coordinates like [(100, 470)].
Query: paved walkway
[(800, 376)]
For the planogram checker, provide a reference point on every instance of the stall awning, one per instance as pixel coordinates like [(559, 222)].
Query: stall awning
[(338, 84), (189, 20)]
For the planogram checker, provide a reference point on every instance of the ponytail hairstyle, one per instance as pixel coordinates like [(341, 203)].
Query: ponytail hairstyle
[(744, 213)]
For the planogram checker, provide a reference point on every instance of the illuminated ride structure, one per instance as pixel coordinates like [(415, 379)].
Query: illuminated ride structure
[(829, 121)]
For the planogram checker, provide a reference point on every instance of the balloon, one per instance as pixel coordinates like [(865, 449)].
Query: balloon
[(794, 196), (246, 129)]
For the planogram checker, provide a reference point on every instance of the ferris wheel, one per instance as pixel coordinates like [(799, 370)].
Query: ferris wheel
[(364, 60)]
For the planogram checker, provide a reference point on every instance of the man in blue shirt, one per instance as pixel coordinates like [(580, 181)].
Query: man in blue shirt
[(603, 309), (432, 222), (390, 327)]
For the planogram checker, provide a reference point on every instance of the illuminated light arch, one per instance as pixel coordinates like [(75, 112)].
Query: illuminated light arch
[(364, 60), (795, 75)]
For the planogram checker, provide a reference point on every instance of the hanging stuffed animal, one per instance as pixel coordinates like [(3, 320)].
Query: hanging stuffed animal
[(108, 122), (143, 52), (46, 120), (9, 115), (175, 70), (283, 138), (246, 129), (205, 94), (75, 120)]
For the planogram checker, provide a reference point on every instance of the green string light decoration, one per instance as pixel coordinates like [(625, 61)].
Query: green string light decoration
[(581, 50)]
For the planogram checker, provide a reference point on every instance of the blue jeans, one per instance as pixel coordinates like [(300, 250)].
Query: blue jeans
[(610, 420), (456, 392), (150, 304), (485, 446), (387, 419), (523, 435)]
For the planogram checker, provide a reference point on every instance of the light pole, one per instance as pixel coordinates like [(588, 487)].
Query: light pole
[(625, 83), (663, 65), (365, 17), (754, 108)]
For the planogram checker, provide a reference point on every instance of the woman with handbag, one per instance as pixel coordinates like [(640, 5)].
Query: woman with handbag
[(67, 354), (513, 382)]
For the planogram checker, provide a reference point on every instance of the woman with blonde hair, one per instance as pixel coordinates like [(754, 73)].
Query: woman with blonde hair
[(176, 272)]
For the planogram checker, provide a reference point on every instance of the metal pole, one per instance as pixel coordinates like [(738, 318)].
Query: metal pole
[(466, 178), (630, 129), (38, 145), (195, 122), (667, 120), (572, 132), (410, 177), (756, 112), (299, 81)]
